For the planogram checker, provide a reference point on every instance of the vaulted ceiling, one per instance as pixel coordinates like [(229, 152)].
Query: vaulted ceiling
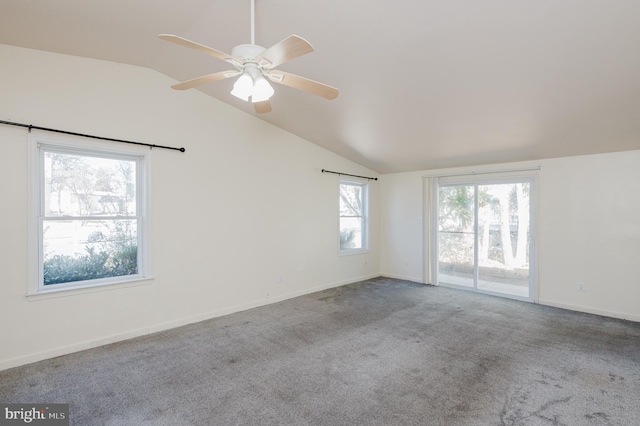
[(423, 84)]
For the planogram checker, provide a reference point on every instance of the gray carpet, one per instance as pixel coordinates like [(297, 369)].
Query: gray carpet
[(379, 352)]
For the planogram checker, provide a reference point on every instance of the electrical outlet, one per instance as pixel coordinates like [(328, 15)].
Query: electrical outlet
[(581, 286), (279, 279)]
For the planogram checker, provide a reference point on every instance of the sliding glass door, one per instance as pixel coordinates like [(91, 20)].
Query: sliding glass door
[(456, 235), (484, 237)]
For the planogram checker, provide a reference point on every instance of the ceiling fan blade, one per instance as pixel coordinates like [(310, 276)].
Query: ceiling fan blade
[(204, 79), (200, 47), (262, 107), (303, 84), (284, 51)]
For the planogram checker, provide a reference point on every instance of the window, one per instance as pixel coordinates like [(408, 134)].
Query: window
[(353, 217), (89, 216)]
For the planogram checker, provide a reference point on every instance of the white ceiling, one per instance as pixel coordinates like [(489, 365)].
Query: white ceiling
[(423, 84)]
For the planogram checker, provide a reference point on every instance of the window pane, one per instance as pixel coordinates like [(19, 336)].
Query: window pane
[(350, 200), (78, 250), (79, 185), (503, 238), (350, 233), (456, 235)]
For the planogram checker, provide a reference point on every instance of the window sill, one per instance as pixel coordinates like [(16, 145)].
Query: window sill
[(74, 291), (352, 252)]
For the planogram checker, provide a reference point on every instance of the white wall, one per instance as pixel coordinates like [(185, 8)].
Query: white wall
[(246, 203), (588, 221)]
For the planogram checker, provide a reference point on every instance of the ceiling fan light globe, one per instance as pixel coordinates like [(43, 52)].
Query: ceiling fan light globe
[(243, 87), (262, 90)]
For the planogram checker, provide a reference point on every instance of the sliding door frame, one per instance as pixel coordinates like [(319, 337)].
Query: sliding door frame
[(431, 185)]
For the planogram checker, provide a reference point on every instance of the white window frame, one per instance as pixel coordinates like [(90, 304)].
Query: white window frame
[(364, 218), (38, 145)]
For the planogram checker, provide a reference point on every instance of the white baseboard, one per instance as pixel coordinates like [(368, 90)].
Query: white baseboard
[(402, 277), (590, 310), (93, 343)]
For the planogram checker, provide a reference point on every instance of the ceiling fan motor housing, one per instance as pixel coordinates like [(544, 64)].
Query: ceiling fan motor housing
[(247, 52)]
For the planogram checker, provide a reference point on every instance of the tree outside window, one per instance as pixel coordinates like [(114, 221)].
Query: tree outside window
[(89, 216), (353, 209)]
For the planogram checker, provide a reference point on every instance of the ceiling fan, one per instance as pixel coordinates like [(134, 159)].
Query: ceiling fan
[(254, 65)]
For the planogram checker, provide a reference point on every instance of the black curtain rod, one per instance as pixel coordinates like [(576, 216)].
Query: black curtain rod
[(30, 126), (347, 174)]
